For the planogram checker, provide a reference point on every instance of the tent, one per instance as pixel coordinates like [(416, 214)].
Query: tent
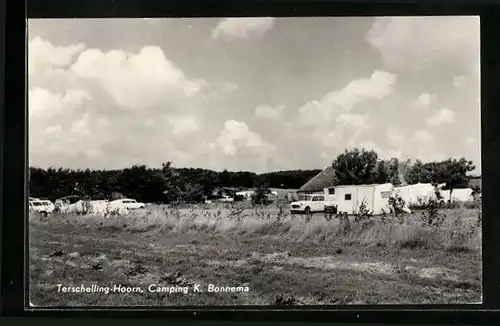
[(416, 193), (458, 195), (350, 198)]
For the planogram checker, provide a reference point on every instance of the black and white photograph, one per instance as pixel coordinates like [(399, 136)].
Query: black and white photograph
[(254, 161)]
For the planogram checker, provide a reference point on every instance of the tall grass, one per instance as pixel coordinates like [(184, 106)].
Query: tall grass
[(458, 230)]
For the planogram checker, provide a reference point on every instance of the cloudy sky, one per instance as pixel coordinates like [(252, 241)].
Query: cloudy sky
[(257, 94)]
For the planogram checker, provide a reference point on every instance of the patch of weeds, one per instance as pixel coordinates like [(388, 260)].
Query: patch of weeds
[(236, 213), (137, 269), (430, 215), (363, 213), (256, 269), (458, 249), (282, 300), (413, 244), (57, 253), (175, 279), (396, 204), (97, 266)]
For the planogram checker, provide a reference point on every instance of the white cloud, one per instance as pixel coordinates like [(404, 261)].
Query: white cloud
[(416, 42), (242, 28), (332, 139), (268, 111), (236, 135), (136, 80), (444, 115), (394, 137), (394, 153), (353, 120), (459, 81), (81, 126), (371, 145), (321, 112), (471, 141), (426, 100), (378, 86), (75, 93), (43, 104), (42, 55), (183, 125), (314, 114), (423, 137)]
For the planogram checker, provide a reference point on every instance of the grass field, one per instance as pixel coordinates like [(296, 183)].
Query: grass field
[(257, 256)]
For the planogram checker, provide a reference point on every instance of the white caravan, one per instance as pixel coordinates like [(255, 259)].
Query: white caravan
[(350, 198)]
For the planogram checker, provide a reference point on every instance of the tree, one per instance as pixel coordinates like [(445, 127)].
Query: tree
[(415, 173), (455, 173), (381, 172), (394, 174), (261, 192), (356, 167)]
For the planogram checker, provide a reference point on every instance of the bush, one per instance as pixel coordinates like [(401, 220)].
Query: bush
[(260, 196), (396, 204), (363, 213), (431, 216), (472, 204)]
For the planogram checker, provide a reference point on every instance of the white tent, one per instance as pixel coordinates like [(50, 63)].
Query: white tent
[(412, 194), (247, 194), (458, 195), (350, 198), (94, 207)]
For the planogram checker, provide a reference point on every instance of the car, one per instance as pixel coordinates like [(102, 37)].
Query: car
[(131, 203), (44, 207), (313, 203), (226, 199)]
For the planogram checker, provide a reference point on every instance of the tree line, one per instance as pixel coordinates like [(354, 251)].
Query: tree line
[(157, 185), (355, 167), (168, 184)]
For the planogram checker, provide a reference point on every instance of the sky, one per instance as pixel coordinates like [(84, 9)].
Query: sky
[(252, 94)]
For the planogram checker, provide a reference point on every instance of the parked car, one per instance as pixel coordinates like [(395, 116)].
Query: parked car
[(131, 203), (313, 203), (226, 199), (44, 207)]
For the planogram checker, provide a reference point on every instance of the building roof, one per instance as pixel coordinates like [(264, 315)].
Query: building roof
[(324, 179)]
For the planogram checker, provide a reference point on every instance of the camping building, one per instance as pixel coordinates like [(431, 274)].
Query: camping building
[(324, 179)]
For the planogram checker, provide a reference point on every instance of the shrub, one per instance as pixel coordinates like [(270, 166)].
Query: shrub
[(472, 204), (396, 203), (260, 196), (430, 215), (363, 213)]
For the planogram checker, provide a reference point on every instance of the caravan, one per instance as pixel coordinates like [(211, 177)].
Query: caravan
[(350, 198)]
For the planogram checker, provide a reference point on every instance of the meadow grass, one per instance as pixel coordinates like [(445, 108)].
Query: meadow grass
[(283, 258), (459, 229)]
